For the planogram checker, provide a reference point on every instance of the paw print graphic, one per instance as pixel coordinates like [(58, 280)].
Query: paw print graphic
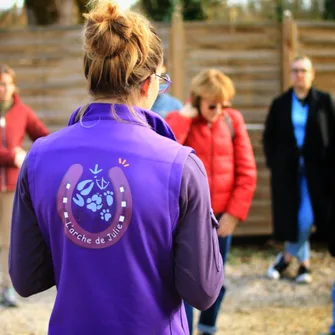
[(109, 198), (94, 203), (105, 215)]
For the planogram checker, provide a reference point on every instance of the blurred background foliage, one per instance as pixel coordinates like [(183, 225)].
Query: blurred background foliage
[(69, 12)]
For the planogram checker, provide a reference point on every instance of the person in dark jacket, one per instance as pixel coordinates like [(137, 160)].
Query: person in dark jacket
[(16, 120), (298, 144)]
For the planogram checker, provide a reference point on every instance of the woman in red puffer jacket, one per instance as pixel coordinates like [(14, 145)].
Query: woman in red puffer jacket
[(16, 120), (218, 134)]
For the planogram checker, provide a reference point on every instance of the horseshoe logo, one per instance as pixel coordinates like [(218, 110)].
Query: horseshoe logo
[(116, 228)]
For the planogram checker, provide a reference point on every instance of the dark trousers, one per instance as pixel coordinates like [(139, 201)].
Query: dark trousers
[(209, 316)]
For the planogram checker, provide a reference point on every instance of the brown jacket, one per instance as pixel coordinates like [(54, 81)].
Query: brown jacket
[(20, 119)]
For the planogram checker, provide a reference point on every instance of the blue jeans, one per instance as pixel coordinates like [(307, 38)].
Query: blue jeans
[(332, 327), (207, 321), (301, 249)]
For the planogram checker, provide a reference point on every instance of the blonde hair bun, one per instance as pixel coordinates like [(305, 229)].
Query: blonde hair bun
[(121, 50), (107, 30)]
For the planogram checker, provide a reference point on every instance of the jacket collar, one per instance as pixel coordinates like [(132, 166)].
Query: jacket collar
[(310, 96), (16, 99), (98, 111)]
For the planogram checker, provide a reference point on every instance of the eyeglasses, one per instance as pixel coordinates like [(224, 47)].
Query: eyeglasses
[(164, 83), (302, 70)]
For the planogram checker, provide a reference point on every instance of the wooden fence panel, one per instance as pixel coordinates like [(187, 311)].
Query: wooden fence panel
[(250, 55), (49, 70), (317, 41)]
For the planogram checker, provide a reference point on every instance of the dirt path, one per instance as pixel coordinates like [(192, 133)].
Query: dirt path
[(254, 305)]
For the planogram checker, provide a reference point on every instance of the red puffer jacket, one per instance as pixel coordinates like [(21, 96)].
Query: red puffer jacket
[(20, 119), (228, 158)]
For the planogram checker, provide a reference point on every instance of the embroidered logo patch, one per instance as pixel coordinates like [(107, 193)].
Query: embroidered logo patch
[(95, 206)]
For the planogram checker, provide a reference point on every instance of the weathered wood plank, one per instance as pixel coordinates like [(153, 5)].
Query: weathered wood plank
[(48, 62)]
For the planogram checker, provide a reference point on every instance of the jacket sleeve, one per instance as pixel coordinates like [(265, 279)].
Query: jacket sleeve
[(269, 135), (35, 127), (331, 130), (245, 170), (7, 157), (198, 263), (180, 125), (331, 167), (30, 261)]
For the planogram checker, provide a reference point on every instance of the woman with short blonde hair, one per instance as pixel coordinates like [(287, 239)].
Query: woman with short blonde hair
[(218, 134), (209, 84)]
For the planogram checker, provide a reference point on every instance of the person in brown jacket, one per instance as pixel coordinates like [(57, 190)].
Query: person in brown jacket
[(16, 119)]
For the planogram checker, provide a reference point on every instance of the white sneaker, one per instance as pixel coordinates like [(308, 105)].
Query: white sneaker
[(303, 275), (272, 273), (277, 268), (8, 298)]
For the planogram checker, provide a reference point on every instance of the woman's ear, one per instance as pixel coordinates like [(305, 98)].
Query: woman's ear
[(146, 87)]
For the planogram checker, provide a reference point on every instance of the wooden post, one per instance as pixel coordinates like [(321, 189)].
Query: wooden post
[(66, 12), (177, 54), (232, 19), (289, 48)]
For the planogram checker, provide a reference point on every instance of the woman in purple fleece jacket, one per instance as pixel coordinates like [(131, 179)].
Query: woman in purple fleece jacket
[(111, 209)]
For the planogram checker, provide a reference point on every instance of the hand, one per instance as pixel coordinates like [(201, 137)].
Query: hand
[(20, 155), (189, 111), (227, 225)]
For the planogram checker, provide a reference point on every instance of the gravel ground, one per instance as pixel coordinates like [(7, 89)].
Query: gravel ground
[(254, 305)]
